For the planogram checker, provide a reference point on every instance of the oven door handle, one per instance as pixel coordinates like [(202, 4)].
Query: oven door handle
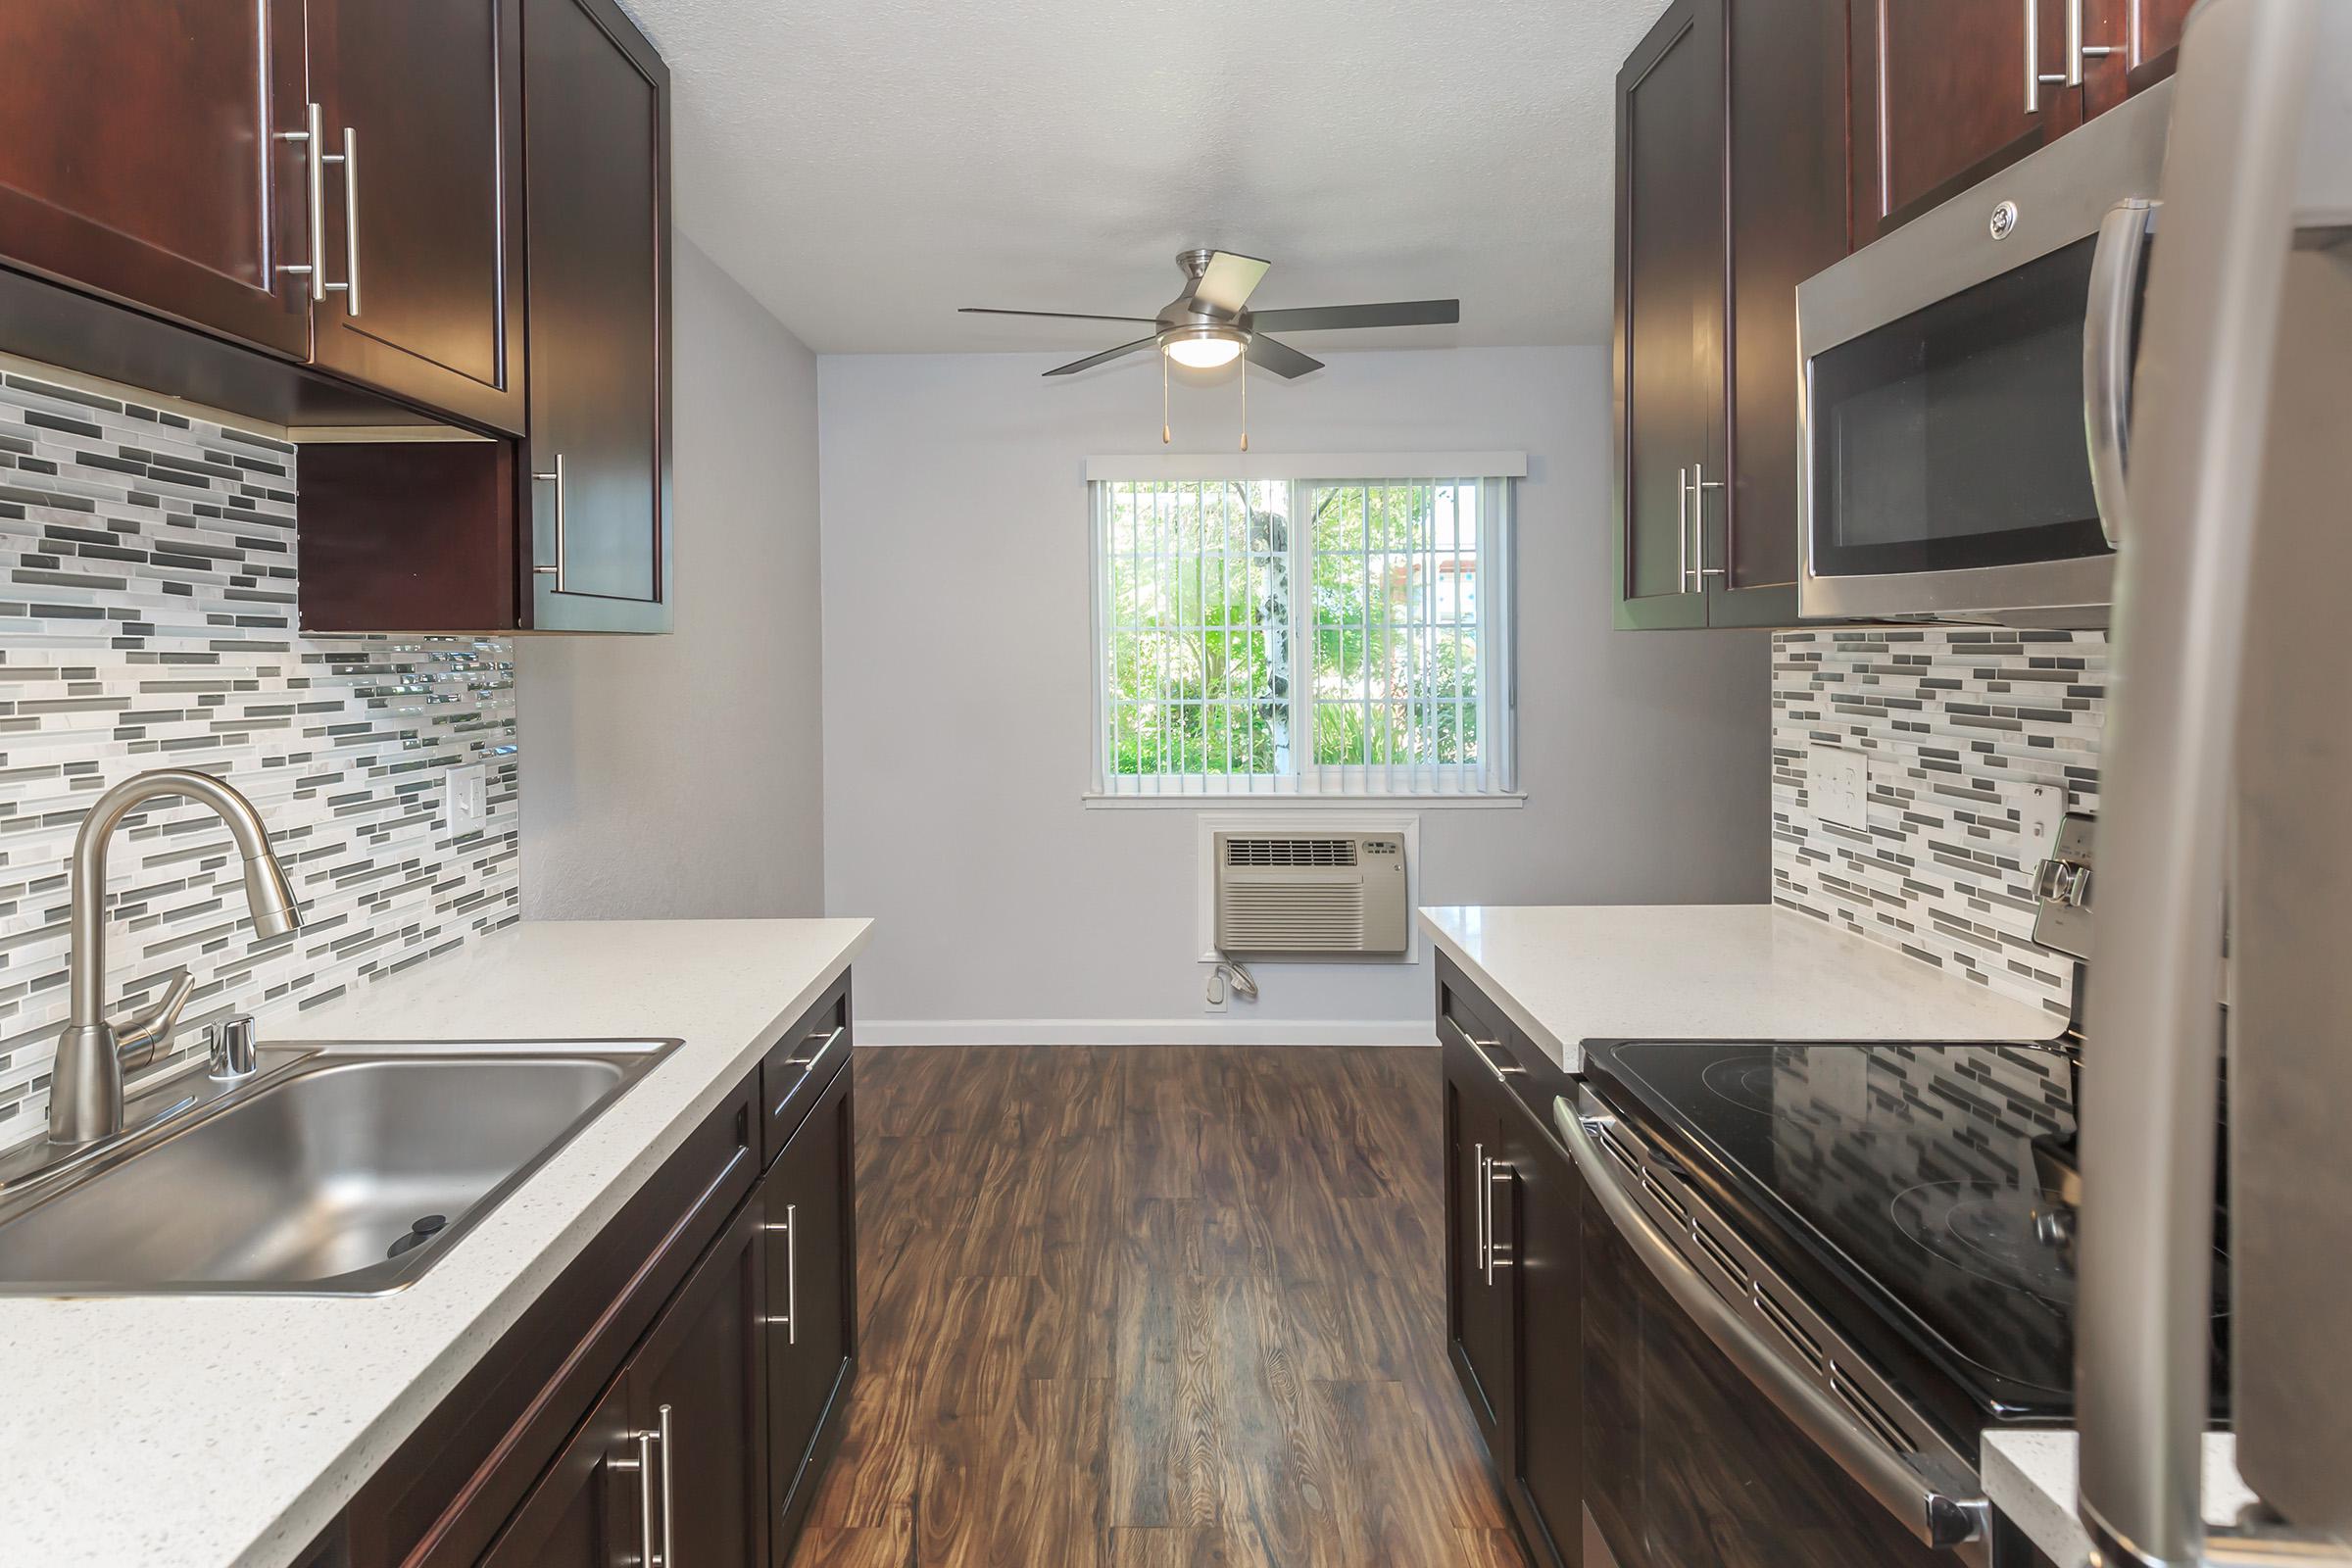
[(1933, 1515), (2115, 270)]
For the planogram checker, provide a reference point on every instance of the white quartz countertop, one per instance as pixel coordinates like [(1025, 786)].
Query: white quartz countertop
[(231, 1428), (2030, 1476), (1566, 973)]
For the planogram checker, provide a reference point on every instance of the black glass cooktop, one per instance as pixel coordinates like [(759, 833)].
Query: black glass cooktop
[(1918, 1194)]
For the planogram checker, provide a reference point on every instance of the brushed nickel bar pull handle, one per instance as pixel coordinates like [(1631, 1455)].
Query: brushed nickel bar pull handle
[(1700, 484), (2035, 77), (644, 1466), (790, 1322), (1485, 1050), (670, 1551), (2076, 51), (308, 137), (556, 478), (349, 158), (1681, 529), (1496, 1171), (1477, 1152), (818, 1055)]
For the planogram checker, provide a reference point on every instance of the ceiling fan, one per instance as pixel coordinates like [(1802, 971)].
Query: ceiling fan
[(1210, 323)]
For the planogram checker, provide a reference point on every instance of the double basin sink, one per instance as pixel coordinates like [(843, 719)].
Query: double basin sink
[(333, 1170)]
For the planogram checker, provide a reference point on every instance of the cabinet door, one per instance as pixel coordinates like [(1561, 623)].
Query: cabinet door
[(1941, 101), (140, 159), (1478, 1296), (1547, 1476), (596, 173), (699, 1383), (812, 1249), (1668, 361), (424, 98), (589, 1510), (1611, 1387), (1788, 197)]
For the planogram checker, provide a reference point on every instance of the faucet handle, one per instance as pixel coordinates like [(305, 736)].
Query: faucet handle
[(139, 1037), (233, 1046)]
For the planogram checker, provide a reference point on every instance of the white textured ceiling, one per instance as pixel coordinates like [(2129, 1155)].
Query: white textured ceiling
[(865, 167)]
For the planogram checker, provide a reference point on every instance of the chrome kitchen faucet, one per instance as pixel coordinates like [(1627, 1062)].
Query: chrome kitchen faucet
[(86, 1085)]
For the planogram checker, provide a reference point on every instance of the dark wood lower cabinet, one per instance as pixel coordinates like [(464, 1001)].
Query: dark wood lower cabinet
[(1513, 1297), (811, 1221), (680, 1386), (700, 1386), (590, 1509)]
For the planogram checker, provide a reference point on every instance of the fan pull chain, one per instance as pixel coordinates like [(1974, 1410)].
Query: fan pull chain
[(1245, 406), (1165, 437)]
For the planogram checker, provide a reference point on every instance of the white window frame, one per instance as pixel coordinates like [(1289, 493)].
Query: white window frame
[(1494, 782)]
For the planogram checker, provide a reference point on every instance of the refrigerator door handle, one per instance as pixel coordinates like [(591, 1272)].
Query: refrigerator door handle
[(2151, 1055)]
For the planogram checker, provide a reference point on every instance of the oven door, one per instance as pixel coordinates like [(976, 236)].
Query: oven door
[(1966, 392), (1704, 1444)]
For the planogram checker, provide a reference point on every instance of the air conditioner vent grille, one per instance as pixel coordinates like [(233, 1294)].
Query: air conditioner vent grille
[(1289, 852)]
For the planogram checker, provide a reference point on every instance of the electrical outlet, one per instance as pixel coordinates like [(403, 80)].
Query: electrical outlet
[(465, 798), (1214, 994), (2040, 814), (1839, 783)]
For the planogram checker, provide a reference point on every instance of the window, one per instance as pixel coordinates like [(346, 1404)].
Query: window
[(1261, 636)]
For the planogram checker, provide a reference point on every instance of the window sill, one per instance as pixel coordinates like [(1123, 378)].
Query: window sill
[(1197, 801)]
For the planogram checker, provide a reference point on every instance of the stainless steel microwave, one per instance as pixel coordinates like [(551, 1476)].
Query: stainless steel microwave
[(1966, 389)]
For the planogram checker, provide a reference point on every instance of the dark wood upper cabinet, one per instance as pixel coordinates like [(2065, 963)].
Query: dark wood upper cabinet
[(569, 530), (139, 158), (1787, 197), (423, 232), (1670, 309), (597, 157), (2145, 37), (1730, 190), (1941, 101)]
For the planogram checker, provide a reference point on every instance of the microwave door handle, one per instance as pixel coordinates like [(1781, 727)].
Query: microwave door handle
[(1937, 1516), (2115, 272)]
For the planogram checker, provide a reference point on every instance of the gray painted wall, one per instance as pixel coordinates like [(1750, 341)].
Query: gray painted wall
[(680, 775), (958, 690)]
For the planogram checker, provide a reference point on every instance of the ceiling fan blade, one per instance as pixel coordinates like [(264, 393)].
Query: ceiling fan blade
[(1280, 358), (1229, 280), (1107, 354), (1327, 317), (1064, 315)]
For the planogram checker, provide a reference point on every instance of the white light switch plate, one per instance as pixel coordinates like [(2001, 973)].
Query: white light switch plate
[(2041, 813), (1838, 781), (465, 798)]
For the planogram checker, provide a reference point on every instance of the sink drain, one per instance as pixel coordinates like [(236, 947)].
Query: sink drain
[(425, 1228)]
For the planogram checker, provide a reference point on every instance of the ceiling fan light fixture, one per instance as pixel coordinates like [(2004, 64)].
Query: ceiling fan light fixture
[(1203, 348)]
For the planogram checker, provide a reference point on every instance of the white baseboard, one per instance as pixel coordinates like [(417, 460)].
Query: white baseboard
[(1226, 1031)]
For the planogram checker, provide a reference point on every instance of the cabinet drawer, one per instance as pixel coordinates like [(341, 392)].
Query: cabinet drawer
[(1467, 1016), (799, 1065)]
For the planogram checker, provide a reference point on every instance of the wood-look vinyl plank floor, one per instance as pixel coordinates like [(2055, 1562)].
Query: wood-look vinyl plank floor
[(1153, 1307)]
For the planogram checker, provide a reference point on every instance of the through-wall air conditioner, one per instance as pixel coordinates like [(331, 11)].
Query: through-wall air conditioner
[(1309, 895)]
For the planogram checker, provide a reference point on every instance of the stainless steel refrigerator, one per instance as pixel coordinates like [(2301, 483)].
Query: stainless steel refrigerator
[(2230, 766)]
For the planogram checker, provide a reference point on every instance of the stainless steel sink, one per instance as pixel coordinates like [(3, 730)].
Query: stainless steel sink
[(338, 1170)]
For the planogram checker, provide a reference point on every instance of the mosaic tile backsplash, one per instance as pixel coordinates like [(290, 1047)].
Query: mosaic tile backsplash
[(147, 573), (1958, 726)]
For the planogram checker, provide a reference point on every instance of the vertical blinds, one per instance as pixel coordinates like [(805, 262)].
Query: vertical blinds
[(1302, 636)]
